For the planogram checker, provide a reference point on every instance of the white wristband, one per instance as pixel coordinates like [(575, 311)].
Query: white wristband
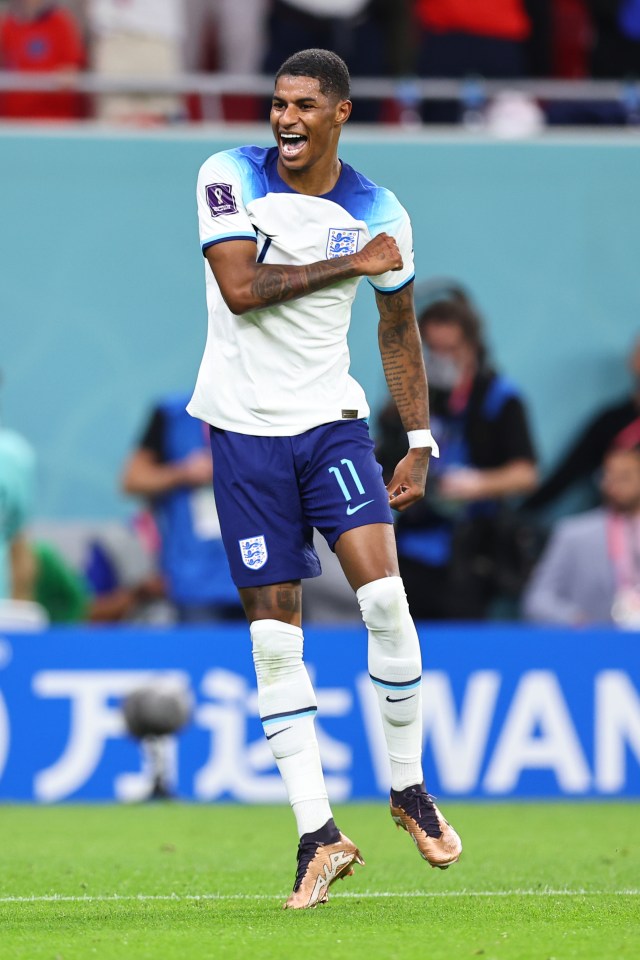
[(423, 438)]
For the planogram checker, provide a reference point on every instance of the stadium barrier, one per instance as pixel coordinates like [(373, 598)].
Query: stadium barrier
[(509, 711), (361, 87)]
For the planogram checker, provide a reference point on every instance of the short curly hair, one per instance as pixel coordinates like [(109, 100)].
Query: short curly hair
[(323, 65), (458, 311)]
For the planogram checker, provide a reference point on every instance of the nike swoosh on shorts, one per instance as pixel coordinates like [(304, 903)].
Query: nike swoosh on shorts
[(351, 510)]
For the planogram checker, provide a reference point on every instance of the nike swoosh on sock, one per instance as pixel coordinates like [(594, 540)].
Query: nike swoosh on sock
[(272, 735)]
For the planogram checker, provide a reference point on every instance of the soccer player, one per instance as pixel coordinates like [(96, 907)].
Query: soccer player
[(288, 232)]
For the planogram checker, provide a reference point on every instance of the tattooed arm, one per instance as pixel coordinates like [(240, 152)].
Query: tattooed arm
[(247, 285), (401, 352)]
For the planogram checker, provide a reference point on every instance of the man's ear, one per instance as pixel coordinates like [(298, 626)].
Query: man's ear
[(343, 111)]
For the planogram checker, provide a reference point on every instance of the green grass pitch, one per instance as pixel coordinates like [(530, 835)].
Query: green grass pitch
[(171, 881)]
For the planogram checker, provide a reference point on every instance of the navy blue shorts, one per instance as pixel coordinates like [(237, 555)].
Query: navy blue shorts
[(272, 491)]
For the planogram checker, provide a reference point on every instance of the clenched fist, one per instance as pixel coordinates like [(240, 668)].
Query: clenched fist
[(377, 256)]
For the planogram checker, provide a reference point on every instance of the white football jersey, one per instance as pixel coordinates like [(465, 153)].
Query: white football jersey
[(281, 370)]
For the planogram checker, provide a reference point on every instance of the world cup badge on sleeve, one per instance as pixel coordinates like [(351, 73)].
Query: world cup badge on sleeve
[(341, 242), (254, 552), (220, 199)]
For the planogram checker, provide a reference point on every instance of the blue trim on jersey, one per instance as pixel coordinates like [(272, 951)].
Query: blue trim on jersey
[(400, 286), (389, 685), (227, 236), (263, 252), (288, 715), (359, 196)]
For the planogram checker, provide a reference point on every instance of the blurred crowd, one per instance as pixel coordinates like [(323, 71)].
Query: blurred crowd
[(492, 539), (463, 39), (484, 542)]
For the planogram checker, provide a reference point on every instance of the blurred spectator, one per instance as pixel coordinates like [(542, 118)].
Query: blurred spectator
[(616, 49), (34, 570), (120, 568), (580, 29), (461, 37), (587, 452), (590, 570), (398, 23), (354, 29), (467, 39), (57, 587), (340, 25), (172, 469), (226, 36), (78, 9), (103, 572), (17, 488), (240, 27), (460, 548), (37, 36), (572, 38), (141, 39), (539, 45)]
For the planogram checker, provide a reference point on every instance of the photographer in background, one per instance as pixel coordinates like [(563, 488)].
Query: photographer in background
[(461, 549)]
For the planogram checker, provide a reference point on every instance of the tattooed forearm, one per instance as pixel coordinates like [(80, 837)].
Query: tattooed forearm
[(401, 353), (277, 284), (272, 285), (247, 285)]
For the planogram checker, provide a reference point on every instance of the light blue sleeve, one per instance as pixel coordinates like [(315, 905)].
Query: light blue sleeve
[(389, 216), (222, 213)]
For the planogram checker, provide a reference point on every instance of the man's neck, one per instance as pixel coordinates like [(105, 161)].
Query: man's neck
[(316, 182)]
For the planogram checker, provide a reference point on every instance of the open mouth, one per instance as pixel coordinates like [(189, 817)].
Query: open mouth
[(292, 144)]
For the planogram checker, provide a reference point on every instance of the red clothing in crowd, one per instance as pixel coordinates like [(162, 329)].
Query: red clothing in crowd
[(572, 39), (503, 19), (49, 41)]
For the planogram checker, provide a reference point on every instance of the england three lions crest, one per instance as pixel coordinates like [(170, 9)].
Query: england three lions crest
[(254, 552), (341, 242)]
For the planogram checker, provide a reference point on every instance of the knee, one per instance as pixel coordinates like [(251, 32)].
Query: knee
[(275, 646), (384, 607)]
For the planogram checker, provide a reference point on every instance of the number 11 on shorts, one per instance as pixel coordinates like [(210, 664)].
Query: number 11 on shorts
[(337, 472)]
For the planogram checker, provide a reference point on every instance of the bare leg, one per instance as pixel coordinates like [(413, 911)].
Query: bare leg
[(368, 553), (275, 601)]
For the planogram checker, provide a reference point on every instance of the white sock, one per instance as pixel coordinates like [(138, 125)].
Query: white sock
[(288, 706), (395, 668)]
